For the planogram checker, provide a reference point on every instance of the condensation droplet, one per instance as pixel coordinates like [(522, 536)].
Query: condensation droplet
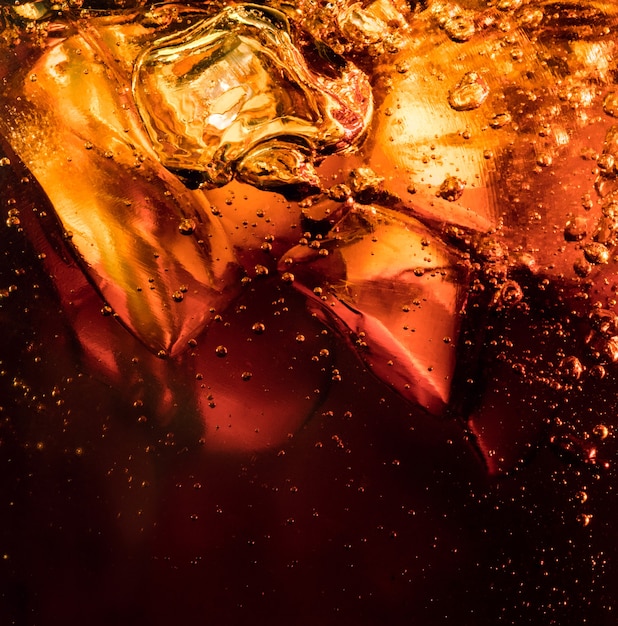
[(469, 93)]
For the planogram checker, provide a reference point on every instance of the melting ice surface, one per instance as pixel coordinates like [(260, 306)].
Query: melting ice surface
[(213, 92)]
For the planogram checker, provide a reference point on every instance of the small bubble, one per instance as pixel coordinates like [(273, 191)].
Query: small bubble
[(575, 228), (460, 28), (452, 188), (570, 367), (499, 120), (601, 431), (469, 93), (246, 375), (581, 495), (300, 338), (178, 296), (258, 328), (13, 220), (187, 226), (221, 351), (582, 267), (610, 104), (596, 253), (584, 519), (606, 163)]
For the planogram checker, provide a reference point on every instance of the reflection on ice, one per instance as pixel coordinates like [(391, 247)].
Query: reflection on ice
[(212, 93)]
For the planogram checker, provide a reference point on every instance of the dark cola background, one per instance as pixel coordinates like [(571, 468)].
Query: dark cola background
[(372, 513)]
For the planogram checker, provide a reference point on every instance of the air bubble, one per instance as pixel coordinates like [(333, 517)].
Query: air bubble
[(571, 368), (596, 253), (187, 226), (460, 28), (610, 104), (601, 431), (452, 188), (575, 228), (470, 93)]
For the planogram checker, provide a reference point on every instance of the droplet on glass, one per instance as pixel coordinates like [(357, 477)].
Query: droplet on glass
[(469, 93)]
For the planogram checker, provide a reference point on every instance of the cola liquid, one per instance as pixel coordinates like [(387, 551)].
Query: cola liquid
[(347, 358)]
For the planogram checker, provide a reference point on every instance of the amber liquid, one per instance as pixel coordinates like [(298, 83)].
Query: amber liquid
[(205, 418)]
